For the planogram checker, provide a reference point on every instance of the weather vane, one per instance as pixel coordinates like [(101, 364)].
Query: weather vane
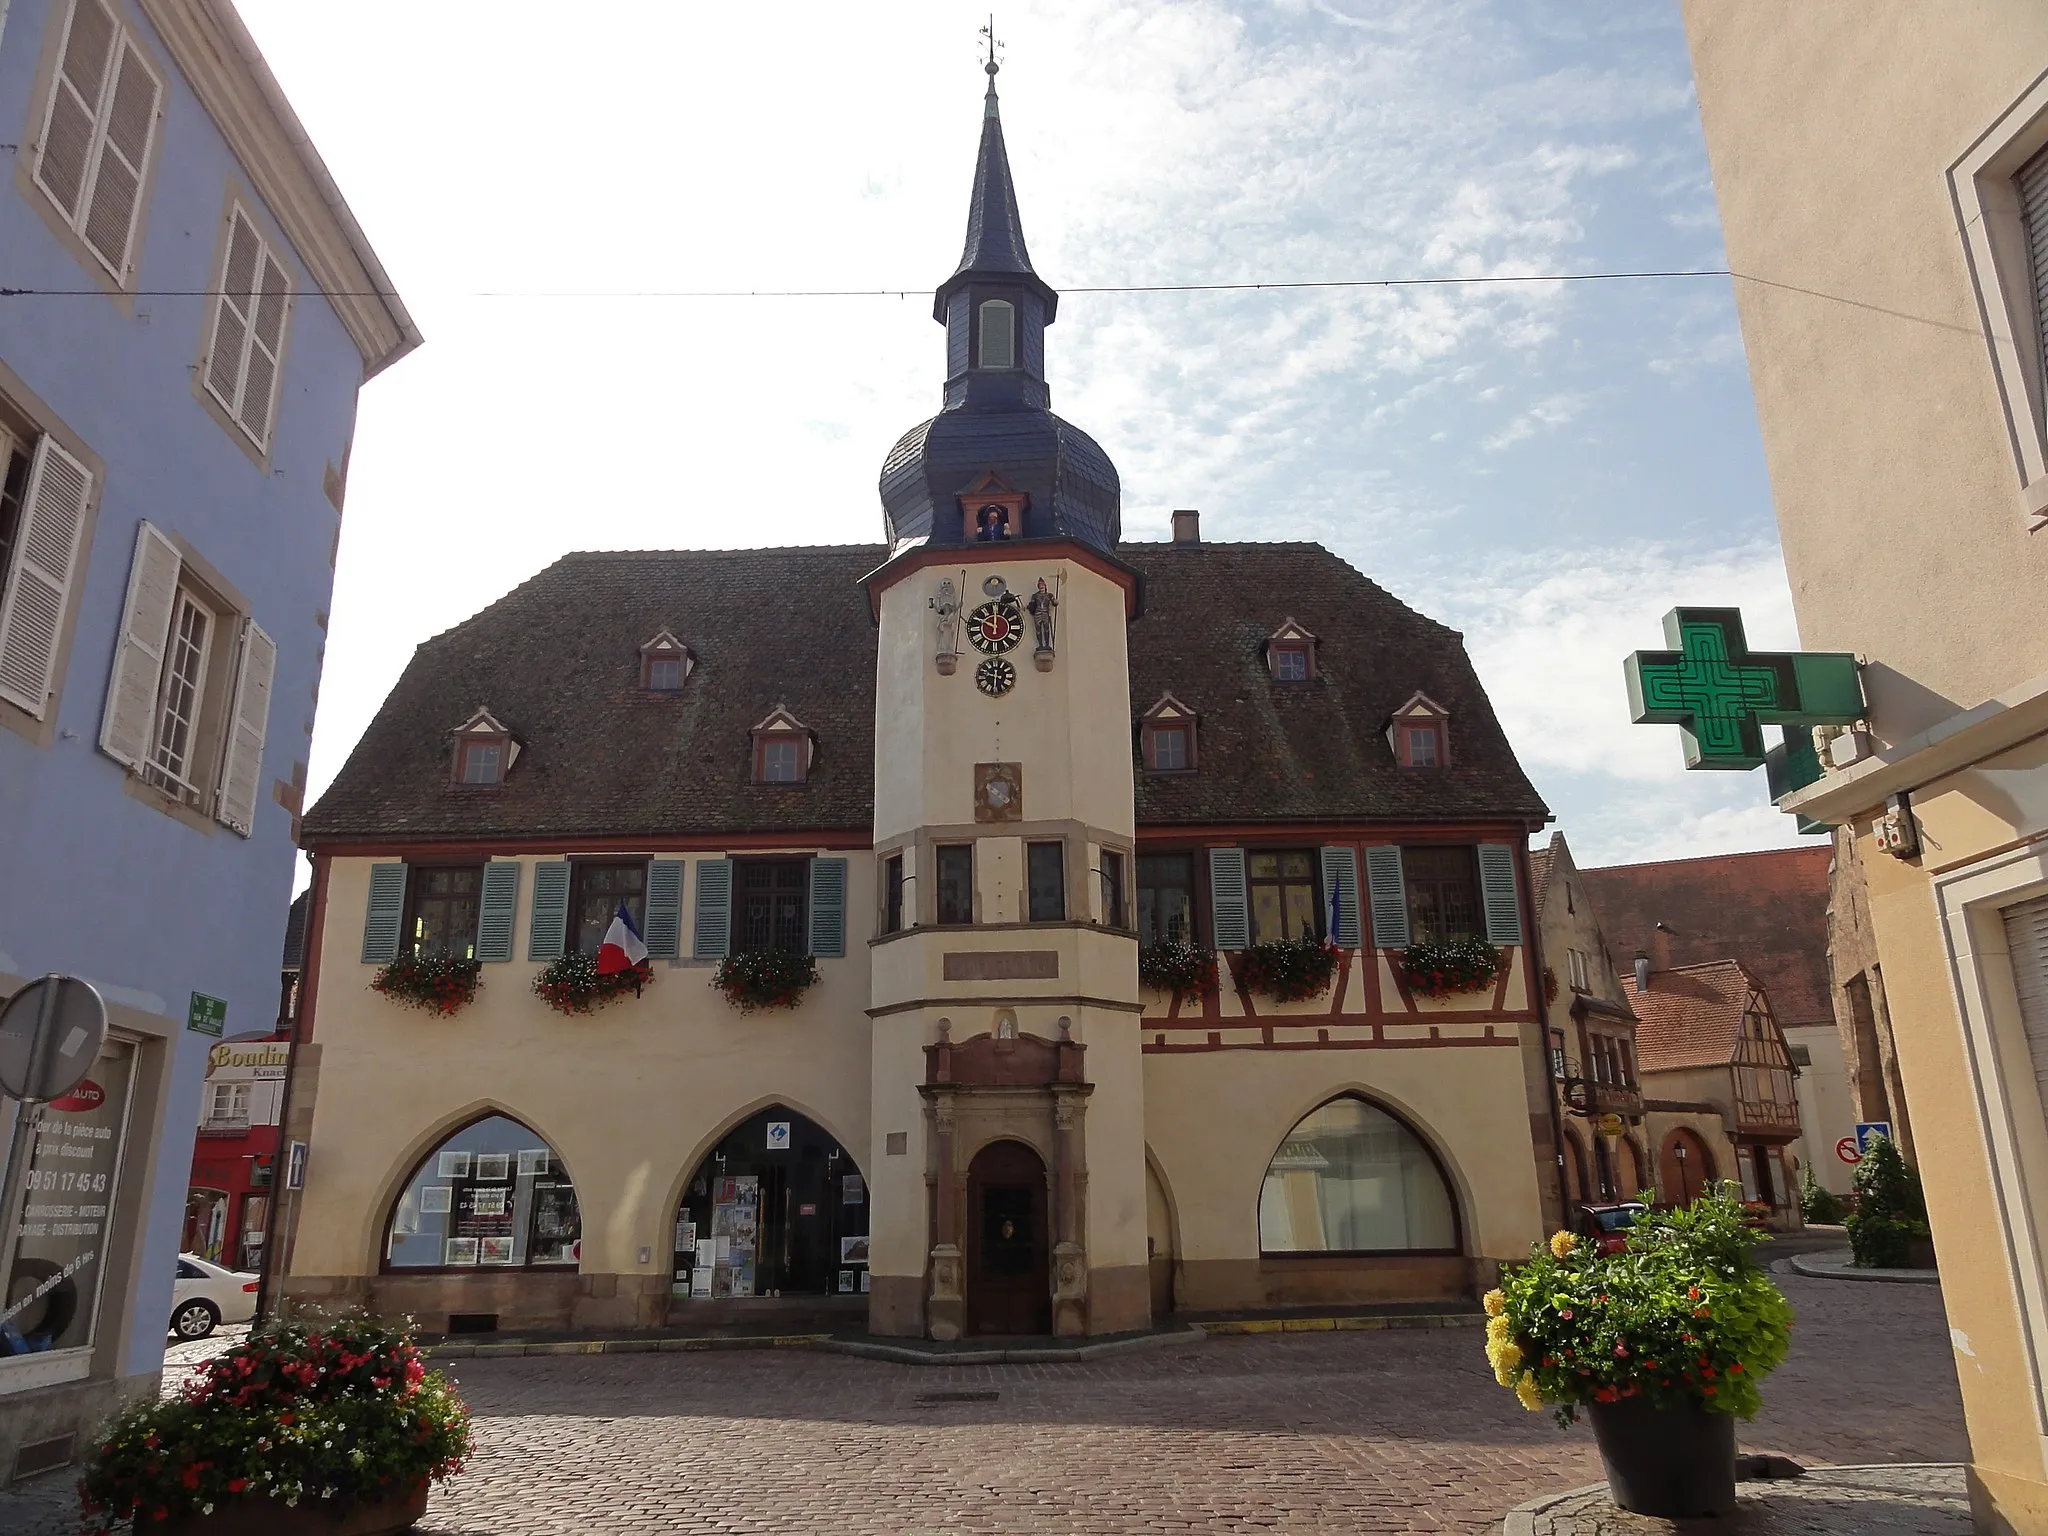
[(995, 48)]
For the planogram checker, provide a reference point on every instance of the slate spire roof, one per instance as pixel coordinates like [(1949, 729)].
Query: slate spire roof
[(995, 230)]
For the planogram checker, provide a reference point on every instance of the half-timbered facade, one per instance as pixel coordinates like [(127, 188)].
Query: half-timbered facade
[(1045, 932)]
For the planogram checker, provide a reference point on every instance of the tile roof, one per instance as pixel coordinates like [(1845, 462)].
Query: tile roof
[(1691, 1016), (1768, 910), (1540, 860), (557, 660)]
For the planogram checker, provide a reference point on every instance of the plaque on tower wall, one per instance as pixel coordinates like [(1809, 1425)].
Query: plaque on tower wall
[(998, 791)]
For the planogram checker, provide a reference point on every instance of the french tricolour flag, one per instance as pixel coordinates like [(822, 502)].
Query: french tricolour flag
[(622, 949)]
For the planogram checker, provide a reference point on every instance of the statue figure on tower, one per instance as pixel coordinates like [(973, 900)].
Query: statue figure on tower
[(1042, 609)]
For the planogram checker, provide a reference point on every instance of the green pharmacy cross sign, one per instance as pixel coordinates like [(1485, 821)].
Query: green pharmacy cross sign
[(1720, 693)]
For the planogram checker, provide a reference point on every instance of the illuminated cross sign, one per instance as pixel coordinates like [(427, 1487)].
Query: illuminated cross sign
[(1719, 692)]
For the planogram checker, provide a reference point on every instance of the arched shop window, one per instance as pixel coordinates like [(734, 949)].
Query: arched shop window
[(492, 1196), (778, 1208), (1350, 1178)]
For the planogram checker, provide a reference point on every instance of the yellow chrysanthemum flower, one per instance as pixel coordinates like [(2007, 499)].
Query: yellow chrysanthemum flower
[(1563, 1244), (1509, 1357), (1495, 1303), (1499, 1330), (1526, 1392)]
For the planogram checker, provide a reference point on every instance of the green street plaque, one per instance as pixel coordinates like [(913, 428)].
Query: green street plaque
[(207, 1015), (1720, 693)]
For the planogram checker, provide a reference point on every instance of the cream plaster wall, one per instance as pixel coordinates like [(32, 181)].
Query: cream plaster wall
[(1827, 1110), (1900, 504), (631, 1097)]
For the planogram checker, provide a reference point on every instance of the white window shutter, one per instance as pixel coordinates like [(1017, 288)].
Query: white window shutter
[(250, 718), (266, 345), (37, 592), (228, 356), (64, 157), (130, 718), (127, 130)]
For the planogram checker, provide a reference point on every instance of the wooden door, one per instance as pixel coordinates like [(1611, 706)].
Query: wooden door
[(1686, 1169), (1009, 1252)]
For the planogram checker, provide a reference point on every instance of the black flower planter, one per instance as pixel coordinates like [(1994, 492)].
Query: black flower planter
[(1674, 1463)]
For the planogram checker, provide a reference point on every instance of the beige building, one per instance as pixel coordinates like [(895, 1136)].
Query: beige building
[(1883, 186), (1124, 928)]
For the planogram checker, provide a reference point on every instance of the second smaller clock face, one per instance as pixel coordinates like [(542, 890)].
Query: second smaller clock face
[(995, 677)]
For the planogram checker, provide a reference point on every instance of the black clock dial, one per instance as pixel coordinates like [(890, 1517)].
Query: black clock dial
[(996, 627), (995, 677)]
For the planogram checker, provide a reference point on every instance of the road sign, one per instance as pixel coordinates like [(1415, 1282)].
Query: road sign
[(50, 1035), (778, 1135), (1847, 1150), (1868, 1131), (206, 1015)]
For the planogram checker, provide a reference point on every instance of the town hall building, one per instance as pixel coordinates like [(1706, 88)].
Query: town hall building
[(1045, 933)]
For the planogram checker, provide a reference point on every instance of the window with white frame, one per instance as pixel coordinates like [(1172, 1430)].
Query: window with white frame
[(189, 700), (1577, 960), (98, 130), (248, 329), (228, 1104)]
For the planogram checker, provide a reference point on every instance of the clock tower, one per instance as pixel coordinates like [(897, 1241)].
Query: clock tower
[(1009, 1157)]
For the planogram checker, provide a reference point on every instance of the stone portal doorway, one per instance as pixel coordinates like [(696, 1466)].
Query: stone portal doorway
[(1009, 1251)]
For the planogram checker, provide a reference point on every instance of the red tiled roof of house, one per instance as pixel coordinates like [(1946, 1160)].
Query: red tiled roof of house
[(1767, 910), (1690, 1017), (1539, 872)]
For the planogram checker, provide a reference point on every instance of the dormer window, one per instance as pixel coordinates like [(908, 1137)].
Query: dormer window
[(1420, 733), (665, 664), (1166, 737), (484, 751), (783, 749), (1291, 654), (998, 334)]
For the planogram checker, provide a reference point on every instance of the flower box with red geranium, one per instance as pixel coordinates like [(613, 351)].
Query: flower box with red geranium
[(1438, 969), (765, 978), (574, 984), (1288, 970), (1178, 967), (439, 984), (335, 1427), (1664, 1342)]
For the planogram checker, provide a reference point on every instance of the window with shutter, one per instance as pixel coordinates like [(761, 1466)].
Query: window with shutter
[(1387, 886), (998, 334), (828, 907), (1340, 895), (1229, 902), (248, 329), (548, 934), (248, 720), (664, 931), (37, 571), (385, 914), (98, 131), (498, 910), (712, 928), (128, 728), (1497, 893), (2026, 937), (2033, 190)]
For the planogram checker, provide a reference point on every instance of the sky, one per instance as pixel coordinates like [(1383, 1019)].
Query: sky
[(1547, 467)]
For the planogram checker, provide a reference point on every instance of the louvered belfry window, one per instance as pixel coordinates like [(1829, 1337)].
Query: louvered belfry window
[(2033, 189), (248, 330), (998, 334), (98, 132)]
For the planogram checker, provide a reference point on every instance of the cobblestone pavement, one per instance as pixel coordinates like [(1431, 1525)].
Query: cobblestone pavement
[(1395, 1432), (1854, 1501)]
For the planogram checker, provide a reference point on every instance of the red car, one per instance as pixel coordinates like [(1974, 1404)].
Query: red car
[(1607, 1225)]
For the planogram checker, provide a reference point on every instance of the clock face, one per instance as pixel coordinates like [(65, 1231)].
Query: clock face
[(996, 627), (995, 677)]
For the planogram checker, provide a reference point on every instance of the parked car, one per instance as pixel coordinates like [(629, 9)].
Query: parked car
[(1607, 1225), (207, 1295)]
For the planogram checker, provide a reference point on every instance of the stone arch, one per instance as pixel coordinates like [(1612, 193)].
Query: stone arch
[(1454, 1202), (702, 1147), (523, 1216), (1685, 1167), (400, 1172), (1464, 1203), (1163, 1245)]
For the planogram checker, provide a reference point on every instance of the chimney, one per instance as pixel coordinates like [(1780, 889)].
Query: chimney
[(1642, 971), (1187, 526)]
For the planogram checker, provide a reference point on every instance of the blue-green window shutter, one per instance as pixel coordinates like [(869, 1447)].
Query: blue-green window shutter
[(664, 935), (712, 931), (1230, 922), (386, 913), (1340, 894), (498, 909), (1497, 891), (550, 932), (828, 907), (1388, 893)]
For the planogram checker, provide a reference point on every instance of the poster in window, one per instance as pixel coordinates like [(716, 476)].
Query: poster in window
[(434, 1199), (686, 1237), (846, 1282), (68, 1185), (557, 1222), (852, 1190), (454, 1165), (496, 1250), (494, 1167), (864, 1282), (490, 1202), (533, 1160), (853, 1250), (700, 1281), (461, 1250), (721, 1283)]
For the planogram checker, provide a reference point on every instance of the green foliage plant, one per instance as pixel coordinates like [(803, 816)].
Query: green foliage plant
[(1821, 1206), (765, 978), (1176, 966), (338, 1413), (1683, 1314), (1891, 1210), (1437, 969), (440, 984), (1288, 970)]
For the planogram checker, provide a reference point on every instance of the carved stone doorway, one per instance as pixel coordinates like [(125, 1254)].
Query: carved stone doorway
[(1009, 1250)]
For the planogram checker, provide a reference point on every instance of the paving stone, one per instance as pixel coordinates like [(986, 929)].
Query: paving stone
[(1835, 1501)]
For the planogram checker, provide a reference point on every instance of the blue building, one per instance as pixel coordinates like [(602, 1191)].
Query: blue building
[(187, 310)]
